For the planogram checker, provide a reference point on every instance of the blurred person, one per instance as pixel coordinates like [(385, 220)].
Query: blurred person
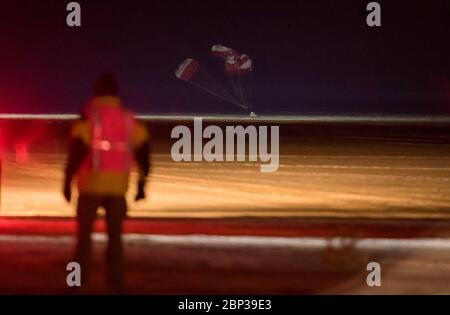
[(103, 144)]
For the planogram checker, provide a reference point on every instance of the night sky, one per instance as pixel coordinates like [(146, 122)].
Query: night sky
[(310, 56)]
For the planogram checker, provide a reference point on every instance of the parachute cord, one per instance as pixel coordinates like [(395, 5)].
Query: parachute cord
[(231, 101), (233, 84), (219, 86), (250, 94), (238, 91), (241, 92)]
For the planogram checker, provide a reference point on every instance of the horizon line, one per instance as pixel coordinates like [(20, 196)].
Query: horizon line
[(257, 118)]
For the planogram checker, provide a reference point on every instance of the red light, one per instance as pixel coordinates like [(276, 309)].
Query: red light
[(22, 152)]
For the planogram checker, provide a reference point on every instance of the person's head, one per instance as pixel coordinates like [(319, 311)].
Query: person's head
[(106, 85)]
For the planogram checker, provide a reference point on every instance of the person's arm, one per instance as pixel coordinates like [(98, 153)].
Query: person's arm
[(142, 154), (77, 153)]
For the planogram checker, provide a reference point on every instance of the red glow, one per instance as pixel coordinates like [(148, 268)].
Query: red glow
[(30, 135), (22, 152)]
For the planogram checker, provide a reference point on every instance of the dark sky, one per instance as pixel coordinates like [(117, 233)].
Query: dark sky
[(310, 56)]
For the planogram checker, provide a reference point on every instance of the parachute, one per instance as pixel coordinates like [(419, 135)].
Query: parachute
[(240, 65), (236, 67), (186, 69), (246, 64), (191, 71), (223, 52)]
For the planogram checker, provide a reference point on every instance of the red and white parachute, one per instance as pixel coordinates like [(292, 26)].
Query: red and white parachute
[(241, 64), (223, 52), (191, 71), (186, 69), (235, 65)]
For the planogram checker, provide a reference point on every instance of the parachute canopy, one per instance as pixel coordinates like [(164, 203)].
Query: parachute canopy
[(223, 52), (239, 65), (186, 69), (234, 66)]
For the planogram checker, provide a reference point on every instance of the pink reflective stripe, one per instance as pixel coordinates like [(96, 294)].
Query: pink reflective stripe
[(129, 134), (97, 130), (102, 145), (111, 143), (105, 145), (130, 125)]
